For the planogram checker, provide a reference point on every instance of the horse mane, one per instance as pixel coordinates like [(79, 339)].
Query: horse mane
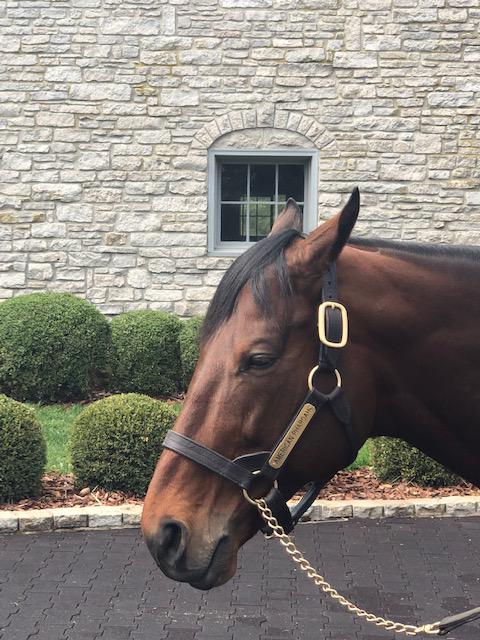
[(270, 251), (251, 266), (456, 253)]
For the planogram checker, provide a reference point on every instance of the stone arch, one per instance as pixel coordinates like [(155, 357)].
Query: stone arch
[(268, 117)]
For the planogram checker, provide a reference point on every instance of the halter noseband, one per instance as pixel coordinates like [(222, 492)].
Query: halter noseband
[(246, 470)]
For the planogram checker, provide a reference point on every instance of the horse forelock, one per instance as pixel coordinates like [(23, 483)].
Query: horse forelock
[(253, 267)]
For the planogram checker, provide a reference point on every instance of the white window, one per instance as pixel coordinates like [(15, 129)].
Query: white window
[(248, 189)]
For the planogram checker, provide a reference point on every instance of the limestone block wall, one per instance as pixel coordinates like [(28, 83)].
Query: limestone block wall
[(108, 109)]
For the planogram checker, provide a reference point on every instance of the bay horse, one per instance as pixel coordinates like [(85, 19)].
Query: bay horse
[(410, 370)]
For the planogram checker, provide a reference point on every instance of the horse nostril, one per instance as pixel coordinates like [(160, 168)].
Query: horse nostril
[(172, 541)]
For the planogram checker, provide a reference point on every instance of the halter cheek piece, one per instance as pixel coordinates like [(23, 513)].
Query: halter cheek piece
[(245, 471)]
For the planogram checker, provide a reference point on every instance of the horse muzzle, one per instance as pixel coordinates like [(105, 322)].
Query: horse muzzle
[(203, 564)]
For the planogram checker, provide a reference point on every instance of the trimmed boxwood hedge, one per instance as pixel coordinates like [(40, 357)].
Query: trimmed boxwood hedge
[(145, 352), (22, 451), (53, 346), (116, 441), (188, 340), (394, 459)]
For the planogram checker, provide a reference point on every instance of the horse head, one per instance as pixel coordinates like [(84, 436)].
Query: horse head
[(259, 344)]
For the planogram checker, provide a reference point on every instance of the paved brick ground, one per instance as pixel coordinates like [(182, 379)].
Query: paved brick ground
[(103, 584)]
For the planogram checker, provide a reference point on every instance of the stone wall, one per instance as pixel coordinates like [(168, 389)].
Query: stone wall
[(108, 108)]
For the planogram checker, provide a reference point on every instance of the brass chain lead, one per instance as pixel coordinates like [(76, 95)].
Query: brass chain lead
[(291, 549)]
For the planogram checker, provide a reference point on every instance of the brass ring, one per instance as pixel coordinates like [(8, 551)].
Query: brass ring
[(245, 493), (314, 371)]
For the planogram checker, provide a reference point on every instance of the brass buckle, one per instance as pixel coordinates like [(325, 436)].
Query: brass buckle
[(322, 324)]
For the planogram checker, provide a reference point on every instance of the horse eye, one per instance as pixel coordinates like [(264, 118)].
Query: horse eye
[(260, 361)]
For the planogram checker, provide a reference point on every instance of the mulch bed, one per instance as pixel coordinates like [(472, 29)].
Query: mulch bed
[(59, 491), (361, 484)]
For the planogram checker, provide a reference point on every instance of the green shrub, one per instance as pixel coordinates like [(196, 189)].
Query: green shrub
[(22, 451), (394, 459), (116, 441), (188, 340), (53, 346), (145, 352)]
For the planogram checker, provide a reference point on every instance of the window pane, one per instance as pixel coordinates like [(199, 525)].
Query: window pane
[(233, 222), (262, 217), (262, 181), (291, 182), (234, 182)]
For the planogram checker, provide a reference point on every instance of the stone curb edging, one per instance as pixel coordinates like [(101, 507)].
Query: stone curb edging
[(452, 506), (69, 518), (35, 520)]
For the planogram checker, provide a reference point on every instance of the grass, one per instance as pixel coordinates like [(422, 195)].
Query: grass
[(363, 458), (177, 407), (57, 421)]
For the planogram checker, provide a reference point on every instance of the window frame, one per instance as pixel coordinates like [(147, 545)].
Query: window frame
[(308, 157)]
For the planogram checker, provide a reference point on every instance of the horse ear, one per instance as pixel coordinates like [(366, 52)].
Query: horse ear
[(346, 221), (325, 243), (290, 218)]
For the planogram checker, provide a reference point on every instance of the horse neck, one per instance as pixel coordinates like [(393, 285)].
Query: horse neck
[(399, 295), (414, 325)]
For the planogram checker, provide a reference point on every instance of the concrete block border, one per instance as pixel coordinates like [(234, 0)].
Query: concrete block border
[(101, 517), (65, 518), (458, 506)]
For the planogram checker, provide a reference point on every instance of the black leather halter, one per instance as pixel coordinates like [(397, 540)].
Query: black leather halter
[(245, 471)]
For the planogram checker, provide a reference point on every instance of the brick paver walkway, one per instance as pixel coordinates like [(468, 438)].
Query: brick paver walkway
[(103, 584)]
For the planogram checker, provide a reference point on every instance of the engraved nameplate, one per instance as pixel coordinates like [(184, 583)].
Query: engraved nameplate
[(290, 439)]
